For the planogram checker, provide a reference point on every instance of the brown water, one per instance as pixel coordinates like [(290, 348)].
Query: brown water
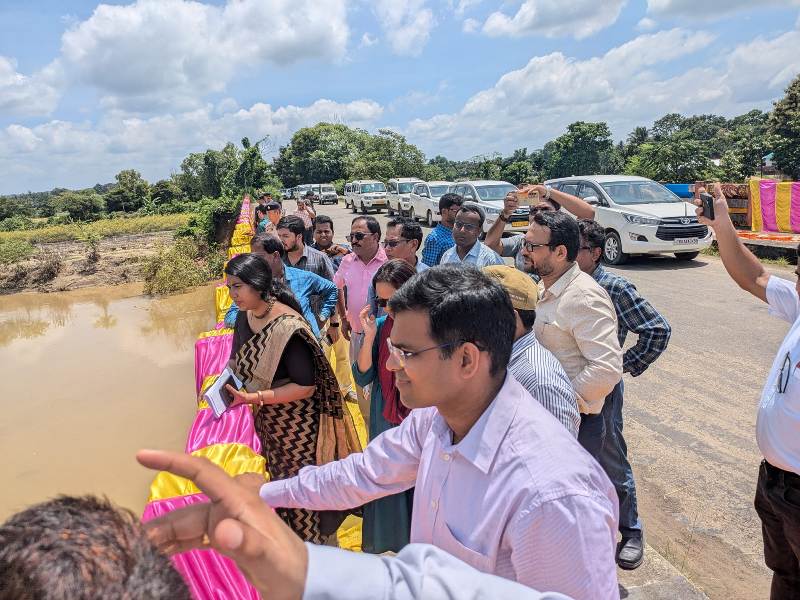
[(87, 378)]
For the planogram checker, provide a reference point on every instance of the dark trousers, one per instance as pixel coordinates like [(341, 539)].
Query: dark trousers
[(778, 505)]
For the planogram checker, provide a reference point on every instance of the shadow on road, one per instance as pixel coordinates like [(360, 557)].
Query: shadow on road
[(658, 263)]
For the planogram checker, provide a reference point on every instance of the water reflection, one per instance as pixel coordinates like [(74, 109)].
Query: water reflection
[(89, 377)]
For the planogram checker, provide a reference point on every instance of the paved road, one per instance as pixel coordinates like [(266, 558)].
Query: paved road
[(690, 421)]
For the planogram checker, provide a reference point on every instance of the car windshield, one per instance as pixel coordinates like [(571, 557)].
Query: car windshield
[(372, 187), (328, 188), (494, 192), (438, 190), (639, 192), (405, 188)]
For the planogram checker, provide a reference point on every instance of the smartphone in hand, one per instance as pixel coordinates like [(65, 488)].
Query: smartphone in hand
[(708, 205)]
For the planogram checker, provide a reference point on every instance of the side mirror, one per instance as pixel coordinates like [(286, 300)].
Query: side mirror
[(593, 200)]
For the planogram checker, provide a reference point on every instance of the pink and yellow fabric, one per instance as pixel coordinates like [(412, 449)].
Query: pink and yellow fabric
[(230, 442), (775, 206)]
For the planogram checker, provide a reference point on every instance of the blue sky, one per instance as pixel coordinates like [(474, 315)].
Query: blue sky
[(88, 89)]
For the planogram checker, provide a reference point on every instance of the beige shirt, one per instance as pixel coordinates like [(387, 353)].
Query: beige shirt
[(576, 321)]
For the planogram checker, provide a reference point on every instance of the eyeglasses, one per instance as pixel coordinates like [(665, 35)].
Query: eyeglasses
[(382, 302), (465, 226), (358, 236), (530, 247), (783, 377), (393, 243), (401, 356)]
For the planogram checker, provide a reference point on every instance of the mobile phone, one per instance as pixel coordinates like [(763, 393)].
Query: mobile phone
[(225, 394), (708, 205), (526, 198)]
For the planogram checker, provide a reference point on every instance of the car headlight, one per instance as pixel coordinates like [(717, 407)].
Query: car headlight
[(640, 220)]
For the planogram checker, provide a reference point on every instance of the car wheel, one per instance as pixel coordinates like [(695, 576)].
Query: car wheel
[(686, 255), (389, 209), (411, 214), (612, 249), (353, 206), (429, 219), (363, 208)]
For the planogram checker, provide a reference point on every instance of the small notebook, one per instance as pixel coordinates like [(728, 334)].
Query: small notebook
[(218, 398)]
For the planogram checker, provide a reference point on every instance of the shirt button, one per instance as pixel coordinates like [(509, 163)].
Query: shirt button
[(434, 504), (445, 457)]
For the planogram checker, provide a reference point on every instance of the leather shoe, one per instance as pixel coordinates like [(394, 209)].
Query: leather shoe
[(630, 553)]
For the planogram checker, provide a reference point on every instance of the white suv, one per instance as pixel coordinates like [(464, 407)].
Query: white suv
[(425, 200), (398, 197), (639, 215), (365, 194), (489, 195)]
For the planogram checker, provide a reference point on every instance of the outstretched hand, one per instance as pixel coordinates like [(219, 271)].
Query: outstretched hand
[(235, 522), (720, 207)]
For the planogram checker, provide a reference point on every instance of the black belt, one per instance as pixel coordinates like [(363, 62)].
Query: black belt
[(779, 473)]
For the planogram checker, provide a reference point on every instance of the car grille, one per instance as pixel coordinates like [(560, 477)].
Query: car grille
[(672, 228)]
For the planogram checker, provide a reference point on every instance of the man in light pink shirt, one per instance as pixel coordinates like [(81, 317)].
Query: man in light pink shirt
[(500, 483), (354, 276)]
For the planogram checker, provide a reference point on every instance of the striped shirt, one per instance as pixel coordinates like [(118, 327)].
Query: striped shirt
[(535, 367), (516, 497), (439, 240)]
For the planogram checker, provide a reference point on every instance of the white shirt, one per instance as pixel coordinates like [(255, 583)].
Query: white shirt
[(517, 497), (778, 423), (419, 571)]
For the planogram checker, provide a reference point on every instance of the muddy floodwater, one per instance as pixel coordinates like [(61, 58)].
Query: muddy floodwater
[(87, 378)]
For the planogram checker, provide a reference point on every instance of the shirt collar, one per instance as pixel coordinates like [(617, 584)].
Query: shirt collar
[(523, 343), (598, 273), (481, 444), (380, 256), (475, 251), (558, 287)]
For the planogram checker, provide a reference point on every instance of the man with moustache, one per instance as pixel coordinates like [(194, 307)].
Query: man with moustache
[(469, 250), (499, 482), (575, 319), (353, 278)]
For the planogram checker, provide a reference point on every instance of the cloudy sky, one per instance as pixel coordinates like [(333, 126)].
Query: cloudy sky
[(88, 89)]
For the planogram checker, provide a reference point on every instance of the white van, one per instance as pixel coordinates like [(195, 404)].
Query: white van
[(398, 196), (364, 195), (425, 200), (639, 215), (489, 194)]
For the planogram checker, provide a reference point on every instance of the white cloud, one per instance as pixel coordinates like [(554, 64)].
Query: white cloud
[(33, 95), (710, 8), (80, 154), (646, 24), (168, 53), (368, 40), (555, 18), (407, 24), (531, 105), (463, 6), (470, 25)]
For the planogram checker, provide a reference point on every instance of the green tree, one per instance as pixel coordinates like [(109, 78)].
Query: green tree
[(586, 149), (519, 172), (745, 141), (86, 205), (676, 158), (784, 125), (130, 193), (9, 207)]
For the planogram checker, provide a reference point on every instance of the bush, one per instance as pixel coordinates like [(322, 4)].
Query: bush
[(17, 223), (12, 251), (48, 266), (213, 221), (103, 228), (175, 268)]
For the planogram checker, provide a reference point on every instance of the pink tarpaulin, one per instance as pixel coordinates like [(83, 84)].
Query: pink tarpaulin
[(211, 354), (235, 426), (794, 211), (210, 575), (767, 191)]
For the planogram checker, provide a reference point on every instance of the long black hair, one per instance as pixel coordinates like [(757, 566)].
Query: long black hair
[(255, 272)]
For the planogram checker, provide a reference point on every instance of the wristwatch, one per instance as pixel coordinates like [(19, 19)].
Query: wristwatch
[(547, 193), (502, 218), (334, 325)]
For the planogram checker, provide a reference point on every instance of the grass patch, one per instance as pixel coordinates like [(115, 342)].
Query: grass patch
[(101, 229), (12, 251), (765, 254), (176, 268)]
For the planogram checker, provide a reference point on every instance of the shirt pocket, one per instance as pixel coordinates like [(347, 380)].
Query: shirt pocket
[(448, 542), (554, 337)]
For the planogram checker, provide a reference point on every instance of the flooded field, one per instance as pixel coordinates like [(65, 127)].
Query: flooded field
[(87, 378)]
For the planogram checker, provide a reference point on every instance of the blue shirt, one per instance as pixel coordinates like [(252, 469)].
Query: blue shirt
[(304, 285), (479, 255), (439, 240)]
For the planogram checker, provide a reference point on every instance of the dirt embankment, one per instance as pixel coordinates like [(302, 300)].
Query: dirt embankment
[(64, 266)]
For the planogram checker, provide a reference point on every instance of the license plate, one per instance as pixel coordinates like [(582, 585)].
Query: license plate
[(686, 241), (519, 223)]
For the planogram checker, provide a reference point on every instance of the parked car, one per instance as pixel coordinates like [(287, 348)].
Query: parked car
[(365, 194), (489, 195), (301, 190), (398, 195), (425, 200), (639, 215), (325, 192)]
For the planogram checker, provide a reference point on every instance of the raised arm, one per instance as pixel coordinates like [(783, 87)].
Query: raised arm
[(494, 236), (741, 264)]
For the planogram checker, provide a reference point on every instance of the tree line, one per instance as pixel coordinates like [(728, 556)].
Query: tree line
[(674, 148)]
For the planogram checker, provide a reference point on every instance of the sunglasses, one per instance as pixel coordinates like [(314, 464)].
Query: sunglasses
[(358, 236), (393, 243), (465, 226), (382, 302)]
